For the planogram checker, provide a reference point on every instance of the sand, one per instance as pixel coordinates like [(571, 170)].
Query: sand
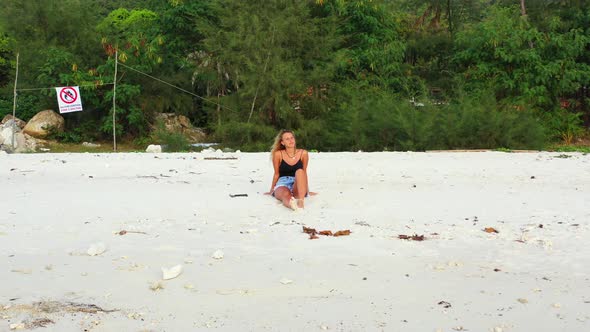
[(246, 264)]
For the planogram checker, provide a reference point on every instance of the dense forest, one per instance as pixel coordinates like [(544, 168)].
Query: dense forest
[(343, 74)]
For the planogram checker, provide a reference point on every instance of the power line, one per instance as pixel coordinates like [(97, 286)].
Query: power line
[(176, 87), (82, 86)]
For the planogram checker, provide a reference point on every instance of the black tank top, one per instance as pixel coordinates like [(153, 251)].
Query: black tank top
[(289, 170)]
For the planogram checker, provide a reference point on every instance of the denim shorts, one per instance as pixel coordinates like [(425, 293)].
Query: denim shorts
[(285, 181), (288, 182)]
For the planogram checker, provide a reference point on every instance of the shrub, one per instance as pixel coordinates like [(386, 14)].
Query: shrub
[(170, 141)]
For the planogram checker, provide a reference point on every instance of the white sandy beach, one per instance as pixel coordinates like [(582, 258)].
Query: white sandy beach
[(534, 275)]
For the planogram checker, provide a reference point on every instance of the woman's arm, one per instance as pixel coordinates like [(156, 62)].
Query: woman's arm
[(276, 161)]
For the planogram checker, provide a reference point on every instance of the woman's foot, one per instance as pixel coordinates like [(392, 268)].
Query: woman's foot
[(293, 203), (300, 203)]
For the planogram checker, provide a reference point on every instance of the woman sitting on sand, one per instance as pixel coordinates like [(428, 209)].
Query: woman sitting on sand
[(289, 183)]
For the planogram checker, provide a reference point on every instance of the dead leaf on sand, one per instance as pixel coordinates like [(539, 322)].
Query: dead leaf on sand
[(308, 230), (313, 232), (490, 230), (414, 237), (342, 233)]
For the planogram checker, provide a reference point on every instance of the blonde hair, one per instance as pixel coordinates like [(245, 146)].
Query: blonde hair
[(276, 146)]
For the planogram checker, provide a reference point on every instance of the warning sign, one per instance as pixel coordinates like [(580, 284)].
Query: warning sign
[(69, 99)]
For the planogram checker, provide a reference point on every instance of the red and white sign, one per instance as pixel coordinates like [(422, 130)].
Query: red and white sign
[(69, 99)]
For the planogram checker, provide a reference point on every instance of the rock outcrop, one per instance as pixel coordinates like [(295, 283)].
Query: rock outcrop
[(181, 124)]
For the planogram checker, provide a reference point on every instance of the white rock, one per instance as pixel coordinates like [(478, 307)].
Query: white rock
[(154, 148), (96, 249), (156, 286), (286, 281), (523, 301), (208, 150), (556, 305), (238, 151), (189, 286), (3, 153), (498, 329), (17, 326), (218, 254), (90, 145), (218, 151), (171, 273)]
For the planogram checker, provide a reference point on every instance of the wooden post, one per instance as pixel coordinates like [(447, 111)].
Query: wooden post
[(114, 98), (14, 103)]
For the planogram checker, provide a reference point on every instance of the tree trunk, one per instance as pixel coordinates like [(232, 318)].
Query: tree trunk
[(218, 109), (450, 17), (522, 8)]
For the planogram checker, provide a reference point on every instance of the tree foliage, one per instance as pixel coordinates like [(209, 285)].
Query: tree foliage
[(344, 74)]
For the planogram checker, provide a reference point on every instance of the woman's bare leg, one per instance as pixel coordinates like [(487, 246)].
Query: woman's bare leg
[(283, 194), (300, 187)]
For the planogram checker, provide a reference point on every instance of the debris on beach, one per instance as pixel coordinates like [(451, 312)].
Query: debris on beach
[(57, 306), (286, 281), (313, 233), (123, 232), (218, 254), (490, 230), (96, 249), (23, 271), (523, 301), (238, 195), (17, 326), (171, 273), (414, 237), (445, 304), (220, 158), (343, 233), (308, 230), (156, 285)]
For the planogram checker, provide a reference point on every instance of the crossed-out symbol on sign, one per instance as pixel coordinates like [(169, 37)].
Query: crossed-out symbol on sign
[(68, 95)]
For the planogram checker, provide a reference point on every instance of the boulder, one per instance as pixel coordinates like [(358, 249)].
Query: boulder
[(5, 136), (39, 125), (20, 123), (22, 142)]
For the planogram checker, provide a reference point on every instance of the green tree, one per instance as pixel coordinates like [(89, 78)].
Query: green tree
[(508, 54), (5, 58), (268, 53)]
